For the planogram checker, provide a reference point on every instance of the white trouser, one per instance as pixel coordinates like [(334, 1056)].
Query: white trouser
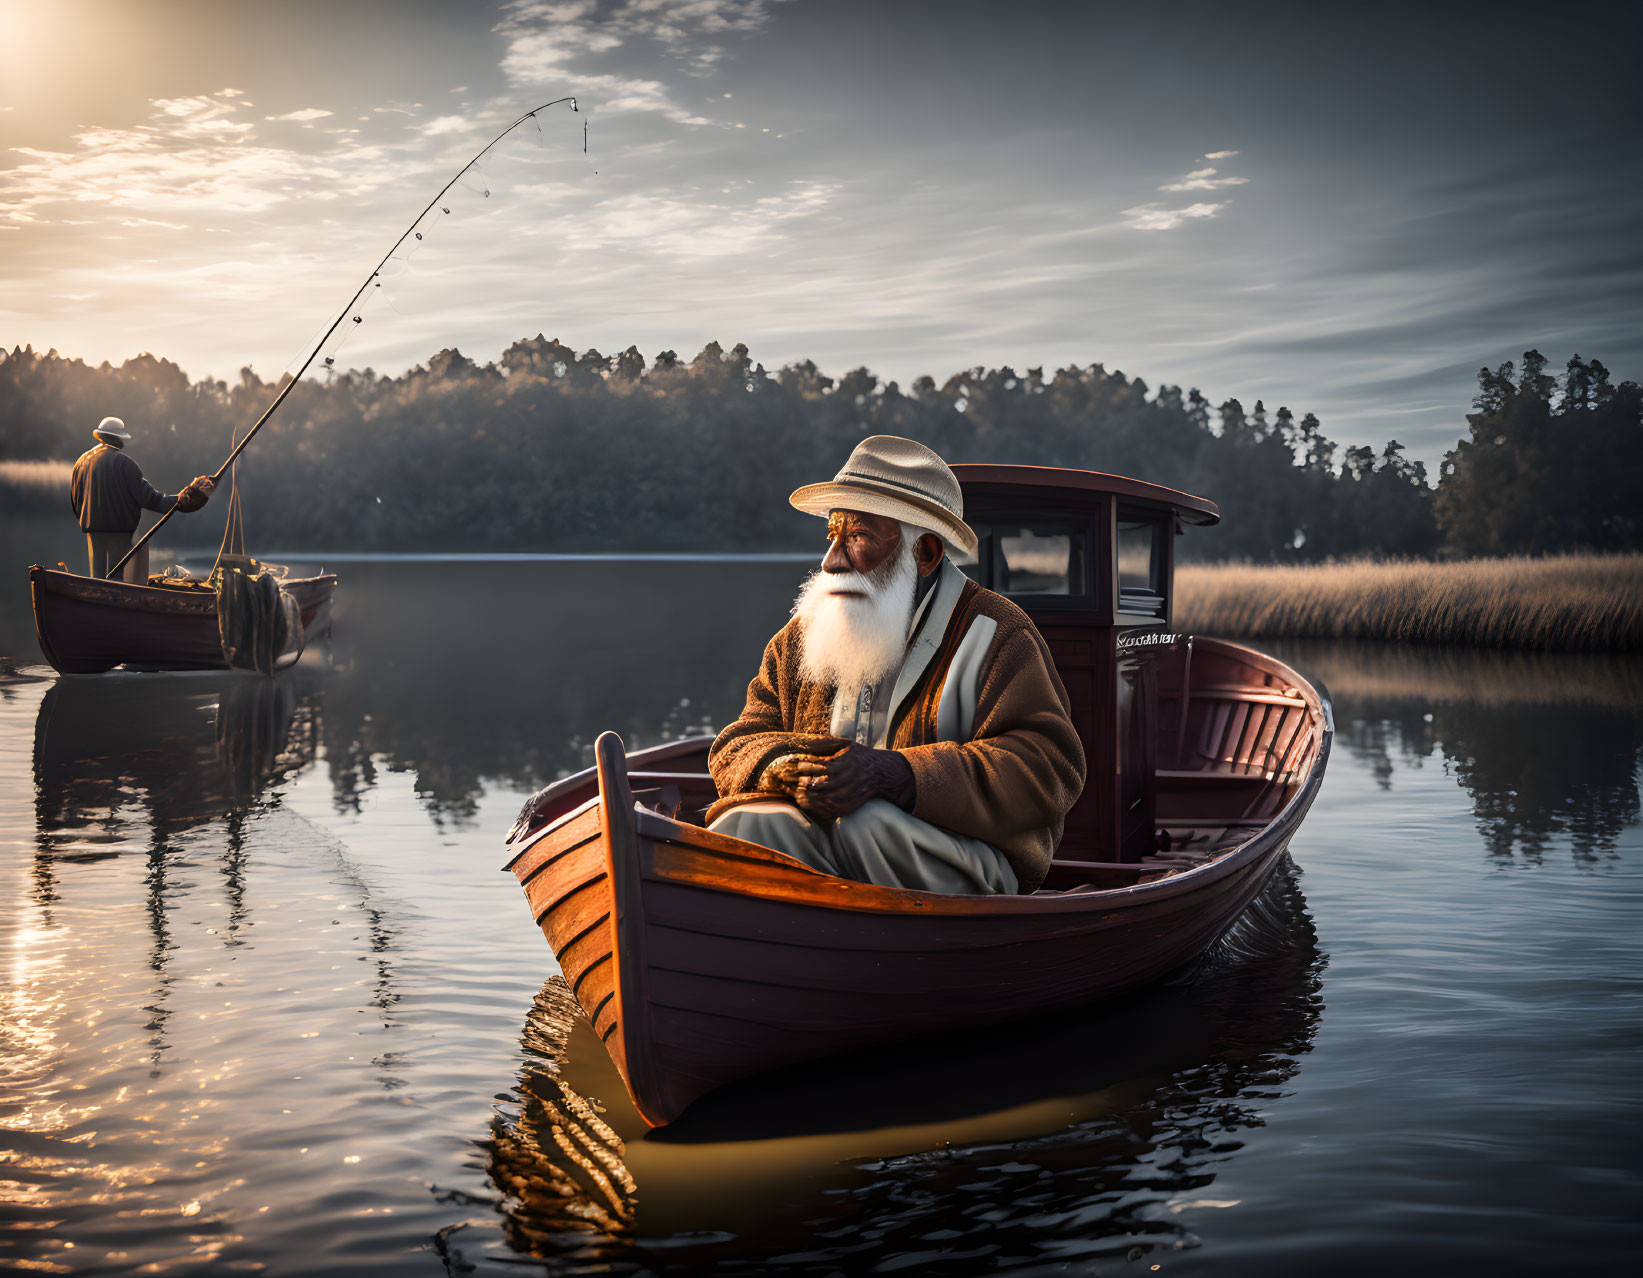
[(877, 843)]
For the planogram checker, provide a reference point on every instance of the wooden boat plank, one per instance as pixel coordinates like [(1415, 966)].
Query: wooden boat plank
[(699, 1026), (1041, 978), (576, 974), (1213, 720), (586, 946), (687, 905), (554, 843), (1275, 735), (873, 973), (597, 994), (601, 1007), (1256, 725), (578, 961), (564, 907), (1232, 749)]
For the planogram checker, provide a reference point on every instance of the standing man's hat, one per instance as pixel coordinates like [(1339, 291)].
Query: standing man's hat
[(110, 430), (899, 478)]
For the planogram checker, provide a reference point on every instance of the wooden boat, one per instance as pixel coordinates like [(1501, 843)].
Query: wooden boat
[(701, 959), (87, 625)]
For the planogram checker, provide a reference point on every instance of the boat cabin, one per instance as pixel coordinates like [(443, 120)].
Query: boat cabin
[(1090, 558)]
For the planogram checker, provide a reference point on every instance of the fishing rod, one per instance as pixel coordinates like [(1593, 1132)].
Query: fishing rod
[(320, 345)]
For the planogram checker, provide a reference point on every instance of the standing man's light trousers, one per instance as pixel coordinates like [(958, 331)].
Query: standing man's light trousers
[(877, 843), (104, 550)]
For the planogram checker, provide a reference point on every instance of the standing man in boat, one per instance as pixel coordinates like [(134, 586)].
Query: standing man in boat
[(108, 495), (906, 727)]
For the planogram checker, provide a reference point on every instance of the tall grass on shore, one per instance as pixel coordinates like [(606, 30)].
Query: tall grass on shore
[(1590, 603), (34, 486)]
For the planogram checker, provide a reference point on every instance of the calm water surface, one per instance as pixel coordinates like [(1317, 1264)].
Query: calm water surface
[(270, 1005)]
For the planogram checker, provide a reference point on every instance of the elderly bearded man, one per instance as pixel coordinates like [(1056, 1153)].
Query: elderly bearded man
[(906, 727)]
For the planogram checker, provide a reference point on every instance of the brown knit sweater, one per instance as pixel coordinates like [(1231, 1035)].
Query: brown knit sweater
[(1011, 784)]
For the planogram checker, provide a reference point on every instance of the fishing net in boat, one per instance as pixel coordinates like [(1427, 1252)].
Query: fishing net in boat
[(259, 624)]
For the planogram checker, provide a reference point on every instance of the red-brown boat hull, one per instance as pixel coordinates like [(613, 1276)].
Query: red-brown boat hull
[(87, 625)]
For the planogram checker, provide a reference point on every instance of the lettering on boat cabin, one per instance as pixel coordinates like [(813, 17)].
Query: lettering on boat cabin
[(1132, 640)]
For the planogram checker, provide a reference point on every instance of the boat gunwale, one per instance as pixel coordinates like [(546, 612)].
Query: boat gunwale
[(54, 576), (536, 836), (567, 784), (872, 898)]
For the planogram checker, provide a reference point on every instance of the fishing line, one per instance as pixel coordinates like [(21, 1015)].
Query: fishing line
[(348, 312)]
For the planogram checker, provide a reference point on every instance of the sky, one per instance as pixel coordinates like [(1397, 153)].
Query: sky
[(1343, 209)]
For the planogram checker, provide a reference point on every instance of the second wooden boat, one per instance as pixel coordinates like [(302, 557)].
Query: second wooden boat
[(87, 625)]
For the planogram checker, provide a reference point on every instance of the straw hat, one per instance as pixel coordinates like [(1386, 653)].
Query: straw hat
[(111, 430), (899, 478)]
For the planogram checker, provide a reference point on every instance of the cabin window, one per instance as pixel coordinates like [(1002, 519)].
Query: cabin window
[(1139, 592), (1038, 558), (1135, 556)]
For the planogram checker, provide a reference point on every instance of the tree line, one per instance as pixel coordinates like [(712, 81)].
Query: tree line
[(551, 449)]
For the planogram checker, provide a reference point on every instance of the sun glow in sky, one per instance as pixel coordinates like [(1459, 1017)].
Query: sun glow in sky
[(1347, 212)]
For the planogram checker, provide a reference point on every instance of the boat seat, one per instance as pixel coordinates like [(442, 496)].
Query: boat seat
[(692, 793), (1246, 730), (664, 799)]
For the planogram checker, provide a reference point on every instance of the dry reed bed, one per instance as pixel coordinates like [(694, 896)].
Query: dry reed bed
[(1590, 603), (36, 474)]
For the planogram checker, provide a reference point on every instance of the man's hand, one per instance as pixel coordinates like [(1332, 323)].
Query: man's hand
[(782, 775), (835, 785), (195, 495)]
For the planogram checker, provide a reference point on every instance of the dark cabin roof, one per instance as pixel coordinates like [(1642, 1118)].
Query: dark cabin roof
[(1190, 509)]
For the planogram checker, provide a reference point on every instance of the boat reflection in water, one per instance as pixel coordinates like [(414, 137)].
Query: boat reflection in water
[(178, 750), (1074, 1137), (553, 1154), (186, 749)]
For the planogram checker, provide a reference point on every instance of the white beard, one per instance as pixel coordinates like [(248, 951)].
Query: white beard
[(849, 640)]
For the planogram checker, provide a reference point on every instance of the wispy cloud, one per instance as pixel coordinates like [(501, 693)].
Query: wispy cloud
[(191, 155), (548, 39), (1155, 217), (446, 124), (1159, 217), (302, 116), (1203, 180), (203, 117), (663, 226)]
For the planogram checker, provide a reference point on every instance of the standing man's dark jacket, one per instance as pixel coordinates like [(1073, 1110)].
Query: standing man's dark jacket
[(108, 493)]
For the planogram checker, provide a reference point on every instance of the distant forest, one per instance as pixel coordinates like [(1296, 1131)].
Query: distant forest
[(548, 449)]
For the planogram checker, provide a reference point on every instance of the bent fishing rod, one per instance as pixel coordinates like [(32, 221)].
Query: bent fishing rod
[(320, 345)]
